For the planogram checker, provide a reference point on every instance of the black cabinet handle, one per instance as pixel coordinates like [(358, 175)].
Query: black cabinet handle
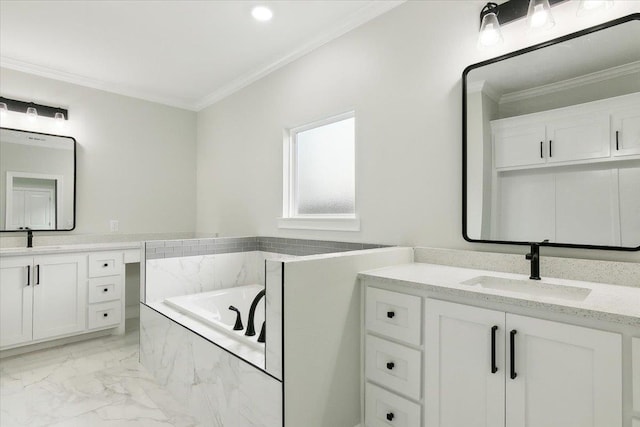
[(390, 365), (105, 315), (494, 367), (541, 148), (512, 351), (28, 275), (617, 140), (105, 265), (390, 416), (550, 148), (105, 290), (37, 274), (391, 314)]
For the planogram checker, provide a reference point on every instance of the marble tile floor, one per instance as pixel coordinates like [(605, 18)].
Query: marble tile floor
[(93, 383)]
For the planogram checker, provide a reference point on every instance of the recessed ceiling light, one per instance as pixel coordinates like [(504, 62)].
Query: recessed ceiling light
[(261, 13)]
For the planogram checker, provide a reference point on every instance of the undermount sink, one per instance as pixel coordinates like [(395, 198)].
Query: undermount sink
[(529, 287)]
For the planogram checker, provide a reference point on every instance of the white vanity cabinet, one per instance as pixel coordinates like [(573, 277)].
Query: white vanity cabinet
[(518, 371), (41, 297), (46, 297)]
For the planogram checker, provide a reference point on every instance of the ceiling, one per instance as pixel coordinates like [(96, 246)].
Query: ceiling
[(188, 54)]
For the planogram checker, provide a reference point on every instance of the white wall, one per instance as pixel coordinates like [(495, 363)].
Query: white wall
[(401, 73), (135, 159)]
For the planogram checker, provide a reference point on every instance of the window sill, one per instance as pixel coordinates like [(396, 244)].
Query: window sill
[(319, 223)]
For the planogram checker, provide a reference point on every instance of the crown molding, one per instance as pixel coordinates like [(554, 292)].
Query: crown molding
[(38, 70), (368, 12), (484, 87), (598, 76)]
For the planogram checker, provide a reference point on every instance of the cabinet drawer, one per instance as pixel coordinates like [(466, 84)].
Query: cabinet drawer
[(105, 264), (105, 314), (394, 366), (103, 289), (384, 409), (394, 314)]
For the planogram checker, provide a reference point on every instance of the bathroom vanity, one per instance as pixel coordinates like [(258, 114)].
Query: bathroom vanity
[(54, 292), (513, 351)]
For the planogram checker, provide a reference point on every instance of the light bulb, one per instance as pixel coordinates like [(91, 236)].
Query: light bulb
[(3, 108), (59, 117), (32, 113), (587, 6), (490, 33), (539, 15), (261, 13)]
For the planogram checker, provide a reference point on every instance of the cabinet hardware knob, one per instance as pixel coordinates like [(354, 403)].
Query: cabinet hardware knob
[(105, 290), (390, 416), (391, 314), (105, 315), (390, 365), (105, 265)]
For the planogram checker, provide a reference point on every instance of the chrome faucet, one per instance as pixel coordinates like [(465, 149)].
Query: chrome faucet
[(534, 257), (251, 330)]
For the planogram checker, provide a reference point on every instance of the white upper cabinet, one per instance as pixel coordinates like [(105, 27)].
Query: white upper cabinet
[(593, 131), (581, 137), (519, 146), (626, 130)]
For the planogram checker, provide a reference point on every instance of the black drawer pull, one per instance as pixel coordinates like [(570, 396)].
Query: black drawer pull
[(390, 416), (105, 290), (390, 365), (617, 140), (512, 353), (105, 265), (28, 275), (391, 314), (541, 154), (105, 315), (37, 274), (550, 148), (494, 367)]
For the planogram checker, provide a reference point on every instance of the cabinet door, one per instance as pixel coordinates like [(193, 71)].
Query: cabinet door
[(462, 387), (519, 146), (16, 291), (566, 376), (629, 184), (578, 138), (587, 207), (60, 295), (626, 131)]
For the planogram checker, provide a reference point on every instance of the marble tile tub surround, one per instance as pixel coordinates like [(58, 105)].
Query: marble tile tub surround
[(175, 276), (219, 389), (297, 247), (611, 272), (97, 383)]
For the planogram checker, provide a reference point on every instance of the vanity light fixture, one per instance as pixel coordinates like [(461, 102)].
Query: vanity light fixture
[(497, 15), (261, 13), (490, 34), (587, 6), (3, 108), (33, 110)]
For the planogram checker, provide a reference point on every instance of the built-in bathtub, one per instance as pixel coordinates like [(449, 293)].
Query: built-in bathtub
[(212, 308)]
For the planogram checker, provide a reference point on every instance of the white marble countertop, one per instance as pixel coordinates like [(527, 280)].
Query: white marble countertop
[(55, 249), (620, 304)]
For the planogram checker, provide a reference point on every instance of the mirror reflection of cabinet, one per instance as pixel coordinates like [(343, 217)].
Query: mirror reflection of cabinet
[(37, 181), (551, 142)]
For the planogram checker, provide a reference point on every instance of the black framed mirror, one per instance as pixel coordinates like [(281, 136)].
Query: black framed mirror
[(37, 181), (551, 142)]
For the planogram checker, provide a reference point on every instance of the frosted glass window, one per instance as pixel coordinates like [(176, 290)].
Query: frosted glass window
[(324, 169)]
